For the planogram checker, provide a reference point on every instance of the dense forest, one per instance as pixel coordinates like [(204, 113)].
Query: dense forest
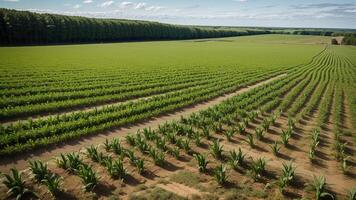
[(23, 27)]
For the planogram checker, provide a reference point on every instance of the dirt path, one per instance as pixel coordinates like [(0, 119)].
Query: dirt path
[(20, 161)]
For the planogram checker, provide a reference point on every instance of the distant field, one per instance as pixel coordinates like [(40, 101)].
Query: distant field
[(239, 52), (159, 110)]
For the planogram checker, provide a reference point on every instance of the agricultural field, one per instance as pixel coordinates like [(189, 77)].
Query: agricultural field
[(252, 117)]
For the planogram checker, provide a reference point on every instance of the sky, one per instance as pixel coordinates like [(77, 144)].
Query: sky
[(266, 13)]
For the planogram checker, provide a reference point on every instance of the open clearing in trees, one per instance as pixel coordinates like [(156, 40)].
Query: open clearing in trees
[(253, 117)]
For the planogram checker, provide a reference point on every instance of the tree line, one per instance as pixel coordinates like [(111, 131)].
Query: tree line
[(23, 27)]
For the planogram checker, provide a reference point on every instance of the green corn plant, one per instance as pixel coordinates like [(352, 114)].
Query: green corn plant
[(174, 151), (252, 116), (288, 173), (259, 133), (236, 159), (229, 134), (186, 145), (266, 124), (158, 157), (206, 132), (71, 162), (89, 178), (241, 128), (117, 148), (171, 137), (107, 145), (39, 170), (140, 165), (197, 139), (149, 134), (202, 162), (115, 168), (250, 140), (220, 174), (16, 186), (340, 149), (291, 123), (130, 155), (161, 143), (130, 139), (95, 155), (352, 194), (311, 153), (258, 167), (245, 122), (53, 184), (319, 187), (216, 149), (275, 148), (315, 135), (344, 165), (141, 144), (273, 119), (285, 136)]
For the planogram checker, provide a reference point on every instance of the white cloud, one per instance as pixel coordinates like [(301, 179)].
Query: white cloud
[(87, 1), (12, 0), (106, 4), (77, 6), (139, 6)]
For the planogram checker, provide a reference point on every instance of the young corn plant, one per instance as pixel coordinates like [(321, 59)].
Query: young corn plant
[(140, 165), (161, 143), (130, 139), (273, 119), (39, 170), (259, 133), (285, 136), (107, 145), (174, 151), (158, 157), (115, 168), (312, 150), (216, 149), (352, 194), (288, 173), (266, 124), (206, 132), (319, 187), (275, 148), (171, 137), (220, 174), (229, 134), (236, 159), (202, 162), (291, 123), (130, 155), (258, 167), (197, 139), (149, 134), (89, 178), (70, 162), (95, 155), (241, 128), (344, 164), (186, 145), (250, 140), (246, 122), (53, 184), (16, 186)]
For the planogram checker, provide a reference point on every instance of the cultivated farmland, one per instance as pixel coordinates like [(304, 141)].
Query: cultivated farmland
[(269, 116)]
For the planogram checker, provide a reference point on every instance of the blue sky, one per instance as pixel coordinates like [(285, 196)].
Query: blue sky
[(276, 13)]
